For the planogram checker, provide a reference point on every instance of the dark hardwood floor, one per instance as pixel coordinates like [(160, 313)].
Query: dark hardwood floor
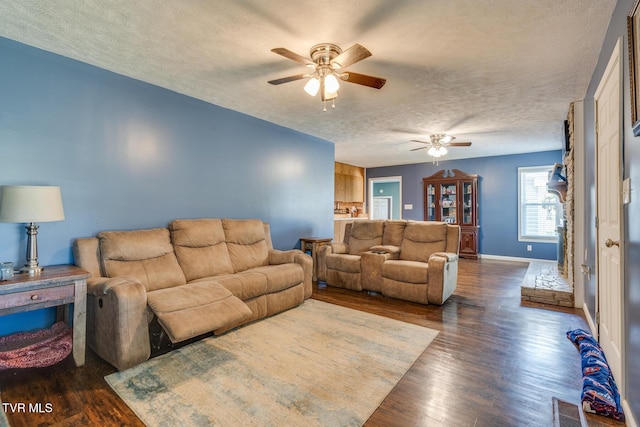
[(495, 362)]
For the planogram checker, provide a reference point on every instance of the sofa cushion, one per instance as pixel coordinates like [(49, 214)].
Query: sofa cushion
[(280, 276), (343, 262), (393, 232), (245, 285), (423, 238), (246, 242), (405, 271), (200, 247), (196, 308), (145, 255), (365, 234)]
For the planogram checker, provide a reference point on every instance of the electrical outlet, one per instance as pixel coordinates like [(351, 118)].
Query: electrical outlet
[(408, 207), (529, 248)]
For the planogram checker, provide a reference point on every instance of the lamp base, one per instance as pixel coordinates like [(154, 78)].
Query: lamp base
[(32, 267), (31, 270)]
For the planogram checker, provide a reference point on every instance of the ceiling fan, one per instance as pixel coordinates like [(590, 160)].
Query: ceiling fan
[(328, 62), (437, 145)]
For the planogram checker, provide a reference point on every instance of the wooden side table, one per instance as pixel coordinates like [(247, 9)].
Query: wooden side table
[(58, 285), (312, 244)]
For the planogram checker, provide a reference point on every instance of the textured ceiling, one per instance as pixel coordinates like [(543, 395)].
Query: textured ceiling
[(499, 73)]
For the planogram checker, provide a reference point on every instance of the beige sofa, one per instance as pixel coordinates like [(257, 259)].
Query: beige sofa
[(194, 277), (409, 260)]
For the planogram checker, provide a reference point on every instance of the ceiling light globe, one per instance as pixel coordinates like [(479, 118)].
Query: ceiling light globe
[(437, 151), (312, 86), (331, 84)]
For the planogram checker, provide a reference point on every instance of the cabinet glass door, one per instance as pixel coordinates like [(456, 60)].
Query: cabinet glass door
[(448, 208), (431, 202), (467, 203)]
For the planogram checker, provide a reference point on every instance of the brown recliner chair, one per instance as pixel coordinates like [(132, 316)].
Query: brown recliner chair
[(425, 268), (339, 263)]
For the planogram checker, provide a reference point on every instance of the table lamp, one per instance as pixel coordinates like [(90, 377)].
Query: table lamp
[(31, 204)]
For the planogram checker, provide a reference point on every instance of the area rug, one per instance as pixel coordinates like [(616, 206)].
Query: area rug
[(315, 365)]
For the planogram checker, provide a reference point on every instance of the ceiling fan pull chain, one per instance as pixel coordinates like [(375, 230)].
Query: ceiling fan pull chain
[(324, 105)]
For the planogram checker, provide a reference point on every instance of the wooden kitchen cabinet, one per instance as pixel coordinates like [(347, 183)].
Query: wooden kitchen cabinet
[(340, 187), (348, 183)]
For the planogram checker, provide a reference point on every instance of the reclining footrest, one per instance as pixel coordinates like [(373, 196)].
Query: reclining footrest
[(194, 309)]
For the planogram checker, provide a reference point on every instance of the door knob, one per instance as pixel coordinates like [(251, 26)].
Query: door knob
[(608, 243)]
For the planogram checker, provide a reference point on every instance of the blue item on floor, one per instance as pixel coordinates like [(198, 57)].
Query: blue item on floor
[(599, 391)]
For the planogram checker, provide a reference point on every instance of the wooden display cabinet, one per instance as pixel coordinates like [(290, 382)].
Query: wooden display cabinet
[(452, 196)]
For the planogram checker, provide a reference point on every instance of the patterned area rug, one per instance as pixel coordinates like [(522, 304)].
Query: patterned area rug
[(315, 365)]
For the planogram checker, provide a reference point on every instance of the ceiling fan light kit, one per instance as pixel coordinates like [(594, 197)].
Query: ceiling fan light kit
[(437, 151), (328, 59), (437, 146)]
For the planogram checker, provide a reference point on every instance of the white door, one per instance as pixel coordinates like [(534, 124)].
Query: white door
[(608, 98), (381, 207)]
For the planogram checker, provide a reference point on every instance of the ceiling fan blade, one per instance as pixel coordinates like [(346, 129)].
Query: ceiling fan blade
[(294, 56), (458, 144), (350, 56), (363, 79), (421, 142), (288, 79), (419, 148)]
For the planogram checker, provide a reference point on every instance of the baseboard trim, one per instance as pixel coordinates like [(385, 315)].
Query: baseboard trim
[(592, 326), (512, 258), (628, 415)]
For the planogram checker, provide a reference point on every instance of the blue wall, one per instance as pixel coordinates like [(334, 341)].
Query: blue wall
[(128, 155), (498, 198)]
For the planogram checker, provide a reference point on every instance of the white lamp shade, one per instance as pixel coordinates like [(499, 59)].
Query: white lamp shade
[(437, 151), (22, 203), (312, 86), (331, 84)]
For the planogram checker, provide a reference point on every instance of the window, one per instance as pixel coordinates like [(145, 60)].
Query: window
[(538, 210)]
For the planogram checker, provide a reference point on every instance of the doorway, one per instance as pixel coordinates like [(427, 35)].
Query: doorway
[(385, 197), (381, 208), (609, 245)]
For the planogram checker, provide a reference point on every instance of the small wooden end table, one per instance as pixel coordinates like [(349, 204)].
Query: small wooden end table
[(312, 244), (57, 285)]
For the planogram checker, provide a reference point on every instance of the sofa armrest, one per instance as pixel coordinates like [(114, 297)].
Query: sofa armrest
[(117, 322), (450, 256), (338, 248), (277, 256), (306, 262), (296, 256), (321, 257), (371, 269), (442, 277), (393, 252), (98, 286)]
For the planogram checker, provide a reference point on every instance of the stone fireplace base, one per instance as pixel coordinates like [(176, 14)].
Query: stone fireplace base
[(544, 284)]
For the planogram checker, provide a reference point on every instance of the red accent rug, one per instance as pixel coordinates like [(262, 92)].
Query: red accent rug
[(36, 349)]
